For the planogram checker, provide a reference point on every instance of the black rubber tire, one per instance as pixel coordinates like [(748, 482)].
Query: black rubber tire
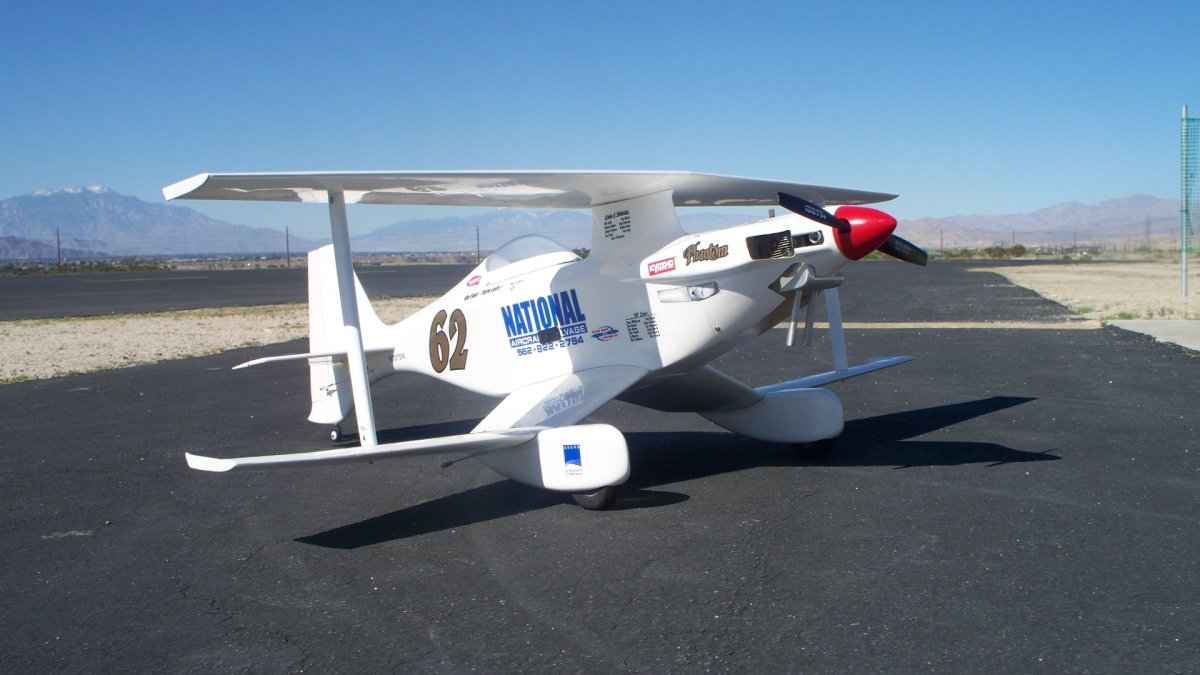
[(335, 434), (597, 500), (814, 451)]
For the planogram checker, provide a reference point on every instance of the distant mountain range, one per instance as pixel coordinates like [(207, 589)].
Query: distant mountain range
[(97, 222), (16, 248), (1136, 220), (569, 228)]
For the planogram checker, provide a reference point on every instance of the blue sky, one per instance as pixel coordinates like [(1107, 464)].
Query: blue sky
[(960, 107)]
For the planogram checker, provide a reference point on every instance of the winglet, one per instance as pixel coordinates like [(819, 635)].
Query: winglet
[(209, 463), (177, 190)]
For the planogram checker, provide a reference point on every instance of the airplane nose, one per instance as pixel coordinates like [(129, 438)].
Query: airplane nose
[(869, 229)]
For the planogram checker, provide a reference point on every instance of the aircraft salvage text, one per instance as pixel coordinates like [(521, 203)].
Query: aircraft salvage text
[(530, 323)]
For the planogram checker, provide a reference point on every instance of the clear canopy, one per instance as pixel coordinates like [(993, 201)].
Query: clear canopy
[(523, 248)]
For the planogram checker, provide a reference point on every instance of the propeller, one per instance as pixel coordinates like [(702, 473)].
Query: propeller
[(811, 211), (861, 231), (903, 249)]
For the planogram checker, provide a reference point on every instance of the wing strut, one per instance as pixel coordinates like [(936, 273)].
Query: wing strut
[(833, 310), (360, 385), (833, 307), (837, 341)]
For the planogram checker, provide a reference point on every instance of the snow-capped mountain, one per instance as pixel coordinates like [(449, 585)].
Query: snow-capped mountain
[(96, 219)]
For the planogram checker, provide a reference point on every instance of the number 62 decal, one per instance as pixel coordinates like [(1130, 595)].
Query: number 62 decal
[(440, 354)]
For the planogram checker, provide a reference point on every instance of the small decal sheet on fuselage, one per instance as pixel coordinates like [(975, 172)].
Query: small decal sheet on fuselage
[(617, 224)]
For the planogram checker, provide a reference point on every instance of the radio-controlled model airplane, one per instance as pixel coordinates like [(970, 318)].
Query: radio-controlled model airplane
[(558, 336)]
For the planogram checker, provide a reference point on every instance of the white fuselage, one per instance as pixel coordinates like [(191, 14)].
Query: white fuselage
[(510, 323)]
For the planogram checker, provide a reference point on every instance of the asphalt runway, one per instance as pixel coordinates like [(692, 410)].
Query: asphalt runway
[(58, 295), (1011, 501)]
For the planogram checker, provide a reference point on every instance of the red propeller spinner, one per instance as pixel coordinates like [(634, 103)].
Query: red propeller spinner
[(858, 230), (869, 228)]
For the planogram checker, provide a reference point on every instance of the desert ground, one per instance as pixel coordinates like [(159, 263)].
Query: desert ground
[(36, 349), (1108, 291), (42, 348)]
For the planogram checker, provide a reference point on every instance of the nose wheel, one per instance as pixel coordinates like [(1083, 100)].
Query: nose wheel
[(335, 434)]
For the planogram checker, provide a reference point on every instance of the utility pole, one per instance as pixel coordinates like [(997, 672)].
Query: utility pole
[(58, 245), (476, 244), (287, 244), (1188, 162)]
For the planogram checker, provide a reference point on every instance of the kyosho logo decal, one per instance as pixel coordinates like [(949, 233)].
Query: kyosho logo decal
[(694, 253), (660, 266), (523, 320)]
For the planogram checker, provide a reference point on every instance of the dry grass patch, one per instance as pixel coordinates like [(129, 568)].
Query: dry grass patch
[(41, 348), (1110, 291)]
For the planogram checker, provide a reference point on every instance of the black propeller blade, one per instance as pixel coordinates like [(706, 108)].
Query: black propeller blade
[(905, 250), (897, 247), (811, 211)]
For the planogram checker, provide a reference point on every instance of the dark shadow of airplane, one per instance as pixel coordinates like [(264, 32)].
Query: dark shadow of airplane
[(664, 458)]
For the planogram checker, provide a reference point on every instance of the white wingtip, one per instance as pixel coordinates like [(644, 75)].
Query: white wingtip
[(183, 187), (209, 463)]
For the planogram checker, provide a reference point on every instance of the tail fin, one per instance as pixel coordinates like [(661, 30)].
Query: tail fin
[(329, 376)]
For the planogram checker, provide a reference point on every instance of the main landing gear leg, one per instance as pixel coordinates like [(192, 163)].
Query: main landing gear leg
[(597, 500)]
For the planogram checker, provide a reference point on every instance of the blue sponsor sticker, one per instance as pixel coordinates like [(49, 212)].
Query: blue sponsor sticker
[(572, 460), (605, 333)]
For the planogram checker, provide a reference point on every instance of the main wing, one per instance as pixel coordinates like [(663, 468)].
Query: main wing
[(532, 437), (632, 211), (531, 189), (473, 442)]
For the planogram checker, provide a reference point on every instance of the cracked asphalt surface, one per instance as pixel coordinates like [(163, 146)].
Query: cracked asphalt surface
[(1011, 501)]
